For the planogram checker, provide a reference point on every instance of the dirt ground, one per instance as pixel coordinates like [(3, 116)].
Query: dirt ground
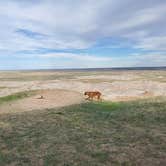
[(36, 127), (42, 100), (61, 88)]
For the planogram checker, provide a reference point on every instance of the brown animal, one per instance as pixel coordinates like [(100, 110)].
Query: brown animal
[(92, 94)]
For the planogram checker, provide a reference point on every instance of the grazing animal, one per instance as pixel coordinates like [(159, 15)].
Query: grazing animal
[(92, 94)]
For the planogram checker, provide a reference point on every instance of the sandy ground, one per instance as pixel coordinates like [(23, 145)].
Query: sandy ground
[(110, 90), (67, 88), (52, 99)]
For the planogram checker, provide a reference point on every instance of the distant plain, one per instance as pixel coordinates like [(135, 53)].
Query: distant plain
[(126, 128)]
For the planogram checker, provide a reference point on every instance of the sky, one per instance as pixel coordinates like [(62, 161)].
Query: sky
[(47, 34)]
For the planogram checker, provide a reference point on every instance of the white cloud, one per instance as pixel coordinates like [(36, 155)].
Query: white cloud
[(153, 43), (84, 57), (76, 24), (71, 60), (137, 19)]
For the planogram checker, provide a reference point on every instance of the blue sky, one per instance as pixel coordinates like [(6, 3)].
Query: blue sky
[(45, 34)]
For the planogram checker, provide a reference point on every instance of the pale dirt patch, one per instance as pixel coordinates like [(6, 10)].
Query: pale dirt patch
[(114, 86), (52, 99), (110, 91), (124, 77)]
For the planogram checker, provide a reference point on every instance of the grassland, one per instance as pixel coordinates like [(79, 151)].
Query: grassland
[(89, 134), (16, 96)]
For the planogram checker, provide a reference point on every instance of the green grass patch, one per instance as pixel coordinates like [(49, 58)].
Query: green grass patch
[(16, 96), (89, 134), (3, 87)]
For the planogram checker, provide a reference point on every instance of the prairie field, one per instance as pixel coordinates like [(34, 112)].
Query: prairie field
[(128, 127)]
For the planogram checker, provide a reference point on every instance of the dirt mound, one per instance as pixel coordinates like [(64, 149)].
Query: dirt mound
[(42, 100)]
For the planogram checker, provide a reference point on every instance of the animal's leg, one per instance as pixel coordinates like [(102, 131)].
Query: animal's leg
[(87, 98), (91, 98), (99, 97)]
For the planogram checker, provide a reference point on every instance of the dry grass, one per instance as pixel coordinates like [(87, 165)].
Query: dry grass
[(17, 96), (90, 134)]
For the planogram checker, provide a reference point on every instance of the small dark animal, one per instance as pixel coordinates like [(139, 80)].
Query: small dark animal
[(41, 97), (92, 94)]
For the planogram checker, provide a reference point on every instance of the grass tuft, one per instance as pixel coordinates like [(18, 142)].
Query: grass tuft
[(16, 96), (88, 134)]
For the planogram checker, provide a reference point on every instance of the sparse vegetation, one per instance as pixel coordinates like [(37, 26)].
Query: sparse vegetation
[(89, 134), (16, 96), (3, 87)]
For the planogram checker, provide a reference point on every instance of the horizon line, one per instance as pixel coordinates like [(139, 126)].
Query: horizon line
[(91, 68)]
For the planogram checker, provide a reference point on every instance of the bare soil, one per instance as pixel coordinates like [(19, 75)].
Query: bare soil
[(67, 88), (49, 99)]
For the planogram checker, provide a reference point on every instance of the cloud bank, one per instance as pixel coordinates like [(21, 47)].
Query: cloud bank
[(88, 30)]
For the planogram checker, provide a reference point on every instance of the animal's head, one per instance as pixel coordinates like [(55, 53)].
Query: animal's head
[(85, 93)]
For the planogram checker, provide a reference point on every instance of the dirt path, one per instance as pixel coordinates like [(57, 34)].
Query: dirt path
[(52, 99)]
